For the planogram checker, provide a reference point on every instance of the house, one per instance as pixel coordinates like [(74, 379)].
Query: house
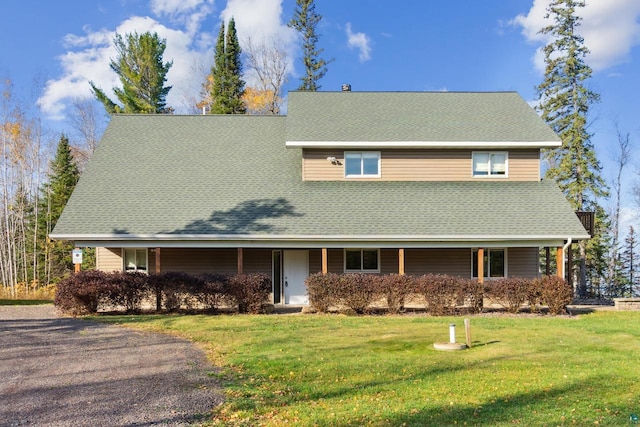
[(406, 183)]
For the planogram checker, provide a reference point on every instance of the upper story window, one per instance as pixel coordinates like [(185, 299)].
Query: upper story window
[(135, 259), (362, 164), (489, 164), (362, 260)]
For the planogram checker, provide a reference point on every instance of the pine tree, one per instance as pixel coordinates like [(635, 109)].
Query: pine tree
[(629, 262), (62, 178), (227, 86), (304, 21), (564, 102), (142, 74)]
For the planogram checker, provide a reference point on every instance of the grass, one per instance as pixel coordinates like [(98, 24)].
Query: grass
[(24, 302), (334, 370)]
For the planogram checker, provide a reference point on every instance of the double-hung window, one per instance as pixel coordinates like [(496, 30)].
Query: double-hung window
[(135, 259), (362, 164), (494, 263), (362, 260), (490, 164)]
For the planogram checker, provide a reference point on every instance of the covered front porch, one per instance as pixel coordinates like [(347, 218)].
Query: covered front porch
[(290, 266)]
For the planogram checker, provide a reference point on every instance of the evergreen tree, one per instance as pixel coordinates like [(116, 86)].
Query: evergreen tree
[(62, 178), (142, 73), (227, 86), (628, 260), (564, 102), (304, 21)]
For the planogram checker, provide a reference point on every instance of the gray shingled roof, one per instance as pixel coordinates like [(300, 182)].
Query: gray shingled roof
[(414, 116), (232, 175)]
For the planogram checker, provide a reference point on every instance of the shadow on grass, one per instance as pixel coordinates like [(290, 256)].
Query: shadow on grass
[(553, 406)]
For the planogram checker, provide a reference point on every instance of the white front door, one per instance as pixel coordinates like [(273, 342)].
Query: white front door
[(296, 270)]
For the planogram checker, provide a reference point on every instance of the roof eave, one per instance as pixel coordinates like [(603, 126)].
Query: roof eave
[(423, 144), (316, 241)]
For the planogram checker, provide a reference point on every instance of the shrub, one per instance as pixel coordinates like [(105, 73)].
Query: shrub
[(174, 289), (211, 294), (80, 293), (395, 288), (555, 292), (321, 289), (248, 292), (356, 291), (509, 292), (127, 289), (473, 293), (441, 293)]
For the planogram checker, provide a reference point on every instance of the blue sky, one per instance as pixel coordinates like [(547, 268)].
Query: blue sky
[(406, 45)]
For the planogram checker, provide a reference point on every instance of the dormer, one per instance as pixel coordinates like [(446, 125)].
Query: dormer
[(416, 136)]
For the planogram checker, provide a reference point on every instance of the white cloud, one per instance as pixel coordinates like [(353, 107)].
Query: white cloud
[(359, 41), (89, 56), (610, 29), (261, 22)]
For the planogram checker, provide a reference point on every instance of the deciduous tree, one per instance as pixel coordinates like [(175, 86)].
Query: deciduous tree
[(267, 65)]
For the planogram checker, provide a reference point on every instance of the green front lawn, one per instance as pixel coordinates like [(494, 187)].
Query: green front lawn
[(335, 370)]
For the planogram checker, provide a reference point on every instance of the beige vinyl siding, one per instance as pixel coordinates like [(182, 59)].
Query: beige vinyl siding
[(257, 261), (523, 262), (419, 165), (454, 262), (194, 261), (109, 259), (219, 261)]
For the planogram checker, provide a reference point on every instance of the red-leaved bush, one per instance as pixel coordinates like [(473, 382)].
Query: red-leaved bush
[(555, 292)]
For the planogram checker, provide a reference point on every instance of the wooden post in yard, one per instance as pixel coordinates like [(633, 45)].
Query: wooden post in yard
[(240, 261), (325, 267), (481, 265)]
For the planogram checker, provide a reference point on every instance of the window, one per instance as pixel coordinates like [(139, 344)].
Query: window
[(362, 260), (490, 164), (135, 259), (362, 164), (494, 263)]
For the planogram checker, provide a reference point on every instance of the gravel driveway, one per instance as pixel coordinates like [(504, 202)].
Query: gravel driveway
[(57, 371)]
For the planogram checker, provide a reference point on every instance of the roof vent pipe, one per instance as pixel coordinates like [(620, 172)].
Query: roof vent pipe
[(346, 87)]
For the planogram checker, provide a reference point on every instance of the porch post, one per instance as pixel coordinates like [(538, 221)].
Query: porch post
[(157, 260), (480, 265), (569, 269), (240, 261), (560, 262), (401, 261), (547, 260), (325, 268)]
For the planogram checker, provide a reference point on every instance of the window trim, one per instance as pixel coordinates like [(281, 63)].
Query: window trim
[(124, 259), (362, 269), (489, 174), (362, 174), (487, 251)]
